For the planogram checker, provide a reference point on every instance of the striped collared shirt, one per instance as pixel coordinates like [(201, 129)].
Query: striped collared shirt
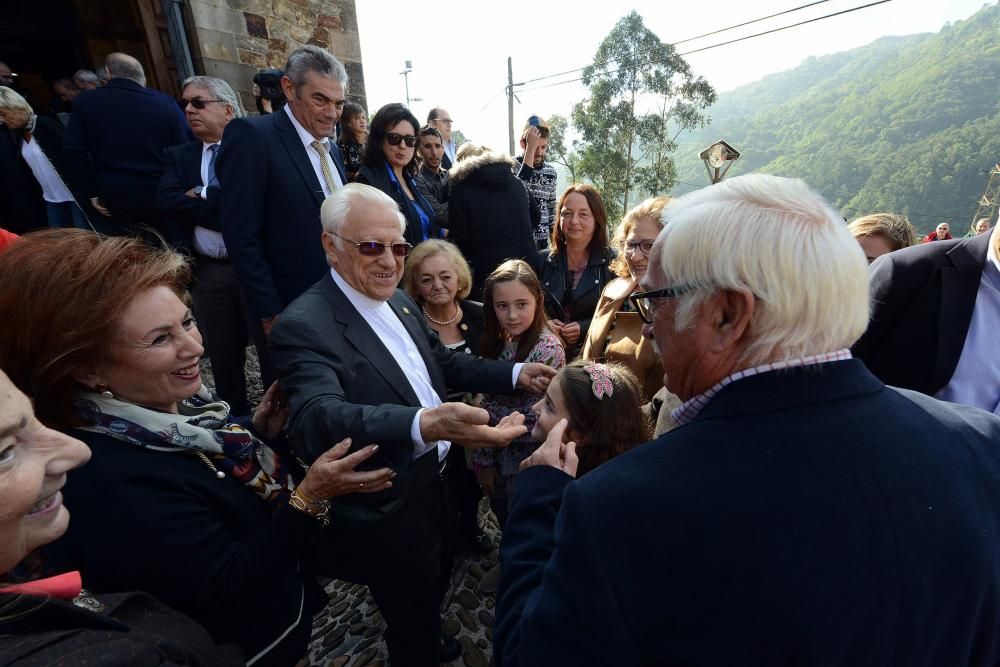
[(689, 409)]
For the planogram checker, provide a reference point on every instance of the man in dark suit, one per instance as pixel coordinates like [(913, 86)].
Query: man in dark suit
[(188, 199), (356, 359), (935, 317), (114, 147), (275, 171), (802, 513)]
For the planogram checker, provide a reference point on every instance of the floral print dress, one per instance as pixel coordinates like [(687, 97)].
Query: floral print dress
[(548, 350)]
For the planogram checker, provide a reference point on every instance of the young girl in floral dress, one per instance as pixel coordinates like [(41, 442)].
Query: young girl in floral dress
[(514, 329)]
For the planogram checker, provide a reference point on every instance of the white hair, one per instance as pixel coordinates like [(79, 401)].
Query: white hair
[(340, 207), (126, 67), (220, 89), (783, 242)]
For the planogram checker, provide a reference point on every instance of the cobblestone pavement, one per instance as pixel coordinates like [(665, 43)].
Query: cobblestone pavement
[(348, 633)]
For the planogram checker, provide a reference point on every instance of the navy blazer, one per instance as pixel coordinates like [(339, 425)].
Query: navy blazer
[(116, 137), (269, 204), (181, 214), (811, 516), (922, 303), (341, 381)]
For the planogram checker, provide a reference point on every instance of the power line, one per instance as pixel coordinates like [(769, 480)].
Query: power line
[(715, 46), (485, 106), (683, 41)]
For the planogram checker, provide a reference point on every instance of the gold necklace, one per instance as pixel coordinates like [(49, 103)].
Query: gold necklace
[(458, 311), (218, 473)]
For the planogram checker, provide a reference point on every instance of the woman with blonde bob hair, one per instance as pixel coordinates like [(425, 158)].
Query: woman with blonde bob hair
[(615, 333), (438, 278)]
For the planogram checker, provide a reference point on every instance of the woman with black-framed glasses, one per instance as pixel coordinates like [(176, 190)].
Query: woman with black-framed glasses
[(389, 162), (616, 331)]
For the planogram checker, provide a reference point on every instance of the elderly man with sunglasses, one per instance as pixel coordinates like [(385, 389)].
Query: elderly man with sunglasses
[(357, 360), (802, 512)]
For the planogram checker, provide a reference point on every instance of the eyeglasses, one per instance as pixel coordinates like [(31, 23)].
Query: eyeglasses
[(642, 246), (376, 248), (199, 103), (449, 121), (642, 301), (409, 139)]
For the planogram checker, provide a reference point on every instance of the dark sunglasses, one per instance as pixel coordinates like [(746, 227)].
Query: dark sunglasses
[(409, 139), (376, 248), (642, 246), (199, 103), (642, 301)]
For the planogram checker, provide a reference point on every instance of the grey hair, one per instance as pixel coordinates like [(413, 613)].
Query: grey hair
[(339, 208), (125, 66), (11, 99), (221, 90), (85, 76), (310, 58), (779, 240)]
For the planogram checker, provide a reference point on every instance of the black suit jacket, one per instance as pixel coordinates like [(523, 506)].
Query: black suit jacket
[(341, 382), (922, 303), (181, 172), (116, 137), (806, 517), (269, 204)]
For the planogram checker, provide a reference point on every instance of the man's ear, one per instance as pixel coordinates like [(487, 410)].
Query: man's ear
[(330, 247), (732, 313)]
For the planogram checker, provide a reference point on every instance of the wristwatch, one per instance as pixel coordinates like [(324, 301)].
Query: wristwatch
[(198, 189)]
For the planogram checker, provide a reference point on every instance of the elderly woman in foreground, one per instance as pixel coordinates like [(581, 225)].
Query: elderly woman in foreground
[(49, 621), (178, 501)]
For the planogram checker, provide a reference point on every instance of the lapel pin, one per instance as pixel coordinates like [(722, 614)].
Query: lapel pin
[(406, 310), (463, 326)]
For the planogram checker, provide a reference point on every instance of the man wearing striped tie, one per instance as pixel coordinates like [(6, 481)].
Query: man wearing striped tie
[(274, 173), (188, 199)]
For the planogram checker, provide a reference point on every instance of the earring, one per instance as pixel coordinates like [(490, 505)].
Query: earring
[(105, 393)]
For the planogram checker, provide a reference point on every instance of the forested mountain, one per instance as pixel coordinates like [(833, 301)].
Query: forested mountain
[(905, 124)]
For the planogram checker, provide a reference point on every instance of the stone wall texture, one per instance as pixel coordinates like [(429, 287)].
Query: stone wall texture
[(232, 39)]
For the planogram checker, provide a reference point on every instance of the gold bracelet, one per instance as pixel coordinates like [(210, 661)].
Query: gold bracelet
[(317, 509)]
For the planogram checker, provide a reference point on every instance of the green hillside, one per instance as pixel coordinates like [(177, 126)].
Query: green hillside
[(904, 124)]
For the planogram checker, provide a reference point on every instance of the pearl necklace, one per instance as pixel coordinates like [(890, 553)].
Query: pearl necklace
[(458, 311)]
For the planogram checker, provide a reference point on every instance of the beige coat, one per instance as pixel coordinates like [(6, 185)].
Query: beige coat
[(627, 345)]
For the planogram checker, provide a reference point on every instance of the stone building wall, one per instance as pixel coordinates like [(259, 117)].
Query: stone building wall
[(232, 39)]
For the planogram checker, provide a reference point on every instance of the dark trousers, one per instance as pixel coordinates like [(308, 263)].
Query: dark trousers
[(405, 559), (467, 492), (222, 320)]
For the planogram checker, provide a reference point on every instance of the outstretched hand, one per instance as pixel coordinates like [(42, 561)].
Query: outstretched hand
[(554, 452), (469, 426), (333, 473), (535, 377)]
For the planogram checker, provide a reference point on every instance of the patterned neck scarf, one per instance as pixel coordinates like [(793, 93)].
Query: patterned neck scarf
[(200, 425)]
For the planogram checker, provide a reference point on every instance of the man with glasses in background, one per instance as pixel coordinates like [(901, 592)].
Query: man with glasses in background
[(357, 360), (441, 120), (188, 200)]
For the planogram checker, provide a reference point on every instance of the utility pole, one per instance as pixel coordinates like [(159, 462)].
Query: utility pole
[(407, 68), (991, 197), (510, 104)]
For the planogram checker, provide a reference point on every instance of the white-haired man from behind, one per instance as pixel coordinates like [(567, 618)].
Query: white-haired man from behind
[(801, 513)]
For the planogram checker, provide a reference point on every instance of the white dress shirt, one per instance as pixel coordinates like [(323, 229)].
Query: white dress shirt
[(307, 140), (976, 380), (53, 188), (208, 242), (391, 332)]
